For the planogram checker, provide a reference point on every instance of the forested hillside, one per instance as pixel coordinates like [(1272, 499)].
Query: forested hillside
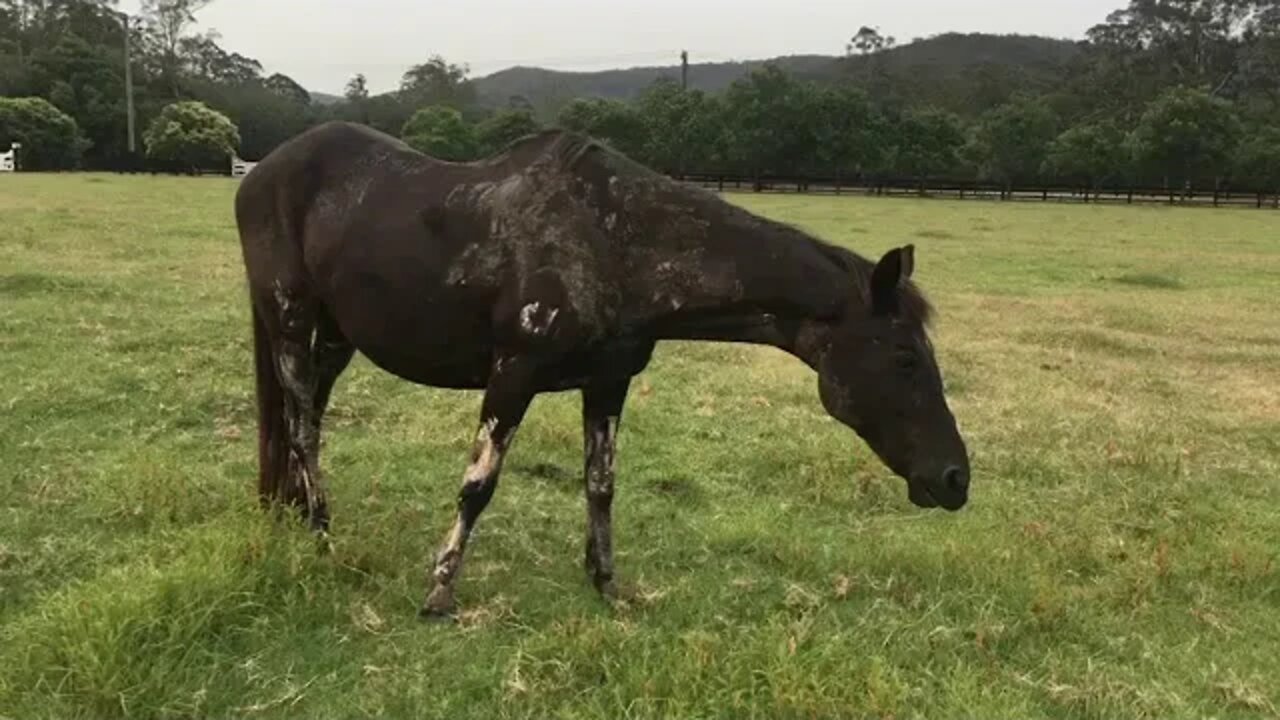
[(948, 68)]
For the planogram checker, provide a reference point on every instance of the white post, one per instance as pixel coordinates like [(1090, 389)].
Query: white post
[(9, 160), (240, 168)]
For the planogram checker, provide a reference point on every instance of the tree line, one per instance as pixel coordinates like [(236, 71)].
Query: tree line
[(1161, 93)]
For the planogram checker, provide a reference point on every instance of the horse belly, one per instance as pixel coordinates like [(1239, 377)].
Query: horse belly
[(412, 326), (419, 358)]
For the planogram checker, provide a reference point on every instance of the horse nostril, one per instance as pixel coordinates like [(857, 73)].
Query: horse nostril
[(955, 479)]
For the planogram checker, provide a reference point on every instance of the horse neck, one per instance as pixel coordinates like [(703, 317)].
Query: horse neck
[(747, 280)]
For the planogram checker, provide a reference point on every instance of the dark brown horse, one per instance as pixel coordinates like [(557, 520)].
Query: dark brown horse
[(553, 266)]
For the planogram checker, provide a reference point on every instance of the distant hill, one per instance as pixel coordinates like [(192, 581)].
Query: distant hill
[(962, 72), (958, 49), (936, 60), (537, 83), (320, 98)]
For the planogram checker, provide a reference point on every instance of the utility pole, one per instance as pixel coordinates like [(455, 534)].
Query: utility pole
[(128, 83), (684, 69)]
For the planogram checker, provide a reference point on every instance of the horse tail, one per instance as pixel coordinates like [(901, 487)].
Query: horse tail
[(273, 430)]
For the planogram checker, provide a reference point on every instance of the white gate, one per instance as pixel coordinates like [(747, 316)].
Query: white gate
[(9, 160), (240, 168)]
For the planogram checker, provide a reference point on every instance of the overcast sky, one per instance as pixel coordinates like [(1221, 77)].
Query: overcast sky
[(322, 43)]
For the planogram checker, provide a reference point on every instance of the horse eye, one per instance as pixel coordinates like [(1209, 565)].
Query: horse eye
[(906, 361)]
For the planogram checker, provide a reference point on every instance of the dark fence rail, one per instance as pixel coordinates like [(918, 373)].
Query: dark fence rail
[(1221, 196)]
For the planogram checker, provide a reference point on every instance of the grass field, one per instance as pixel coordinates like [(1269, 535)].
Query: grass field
[(1116, 372)]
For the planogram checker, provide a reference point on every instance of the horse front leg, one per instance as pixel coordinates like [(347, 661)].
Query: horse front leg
[(506, 398), (601, 411)]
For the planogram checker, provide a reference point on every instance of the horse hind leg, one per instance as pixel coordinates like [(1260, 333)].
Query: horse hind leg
[(301, 378)]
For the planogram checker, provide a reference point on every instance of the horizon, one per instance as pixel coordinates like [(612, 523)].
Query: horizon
[(328, 44)]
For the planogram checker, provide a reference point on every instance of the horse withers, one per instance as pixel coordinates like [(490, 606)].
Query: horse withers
[(555, 265)]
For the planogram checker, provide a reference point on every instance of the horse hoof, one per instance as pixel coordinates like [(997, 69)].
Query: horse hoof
[(607, 589), (439, 606), (324, 543), (436, 617)]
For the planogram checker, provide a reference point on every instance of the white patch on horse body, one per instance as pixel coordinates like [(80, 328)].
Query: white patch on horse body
[(610, 221), (527, 314), (536, 322)]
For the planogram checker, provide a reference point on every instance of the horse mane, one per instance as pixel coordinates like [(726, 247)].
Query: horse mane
[(564, 148)]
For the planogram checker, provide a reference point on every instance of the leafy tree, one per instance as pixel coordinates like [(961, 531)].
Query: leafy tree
[(611, 121), (868, 41), (1090, 154), (388, 112), (769, 129), (84, 81), (168, 22), (263, 117), (1257, 162), (441, 132), (437, 82), (1010, 142), (49, 137), (1185, 136), (288, 88), (357, 96), (848, 133), (191, 135), (501, 129), (357, 89), (204, 59), (1195, 41), (927, 142), (681, 127)]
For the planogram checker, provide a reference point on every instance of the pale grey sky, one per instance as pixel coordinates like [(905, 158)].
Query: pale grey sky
[(322, 43)]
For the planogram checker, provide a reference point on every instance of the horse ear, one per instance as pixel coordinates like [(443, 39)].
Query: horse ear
[(893, 268)]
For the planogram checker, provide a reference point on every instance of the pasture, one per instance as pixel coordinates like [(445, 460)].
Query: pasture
[(1116, 372)]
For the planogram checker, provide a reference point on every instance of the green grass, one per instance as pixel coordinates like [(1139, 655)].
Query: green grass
[(1118, 559)]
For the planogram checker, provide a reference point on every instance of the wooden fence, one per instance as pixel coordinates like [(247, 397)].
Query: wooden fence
[(1221, 196)]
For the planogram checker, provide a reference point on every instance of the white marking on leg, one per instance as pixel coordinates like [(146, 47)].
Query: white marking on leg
[(486, 455), (486, 462)]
